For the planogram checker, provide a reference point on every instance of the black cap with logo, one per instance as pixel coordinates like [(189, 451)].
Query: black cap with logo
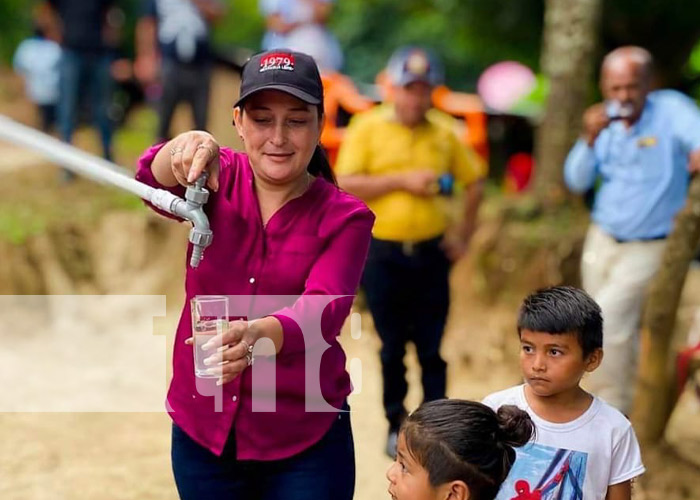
[(292, 72)]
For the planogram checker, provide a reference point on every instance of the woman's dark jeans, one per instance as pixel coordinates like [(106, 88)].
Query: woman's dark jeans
[(326, 471)]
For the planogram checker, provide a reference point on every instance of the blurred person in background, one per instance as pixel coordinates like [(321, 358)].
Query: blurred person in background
[(87, 31), (393, 157), (173, 47), (639, 148), (301, 25), (37, 59)]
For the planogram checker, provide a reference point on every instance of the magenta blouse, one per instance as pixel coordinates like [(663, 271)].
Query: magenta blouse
[(314, 245)]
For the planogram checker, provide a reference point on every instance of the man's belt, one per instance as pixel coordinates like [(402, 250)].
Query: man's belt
[(637, 240)]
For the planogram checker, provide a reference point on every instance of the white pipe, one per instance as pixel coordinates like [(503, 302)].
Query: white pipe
[(74, 159), (107, 172)]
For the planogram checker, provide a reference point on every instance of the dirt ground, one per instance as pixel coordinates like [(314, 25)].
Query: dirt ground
[(60, 455), (125, 455)]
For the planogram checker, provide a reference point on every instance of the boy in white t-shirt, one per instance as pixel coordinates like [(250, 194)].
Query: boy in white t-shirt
[(584, 448)]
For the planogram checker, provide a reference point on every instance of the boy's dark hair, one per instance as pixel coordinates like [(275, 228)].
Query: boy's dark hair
[(456, 440), (563, 309)]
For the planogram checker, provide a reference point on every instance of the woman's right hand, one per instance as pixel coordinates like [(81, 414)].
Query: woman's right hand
[(190, 154)]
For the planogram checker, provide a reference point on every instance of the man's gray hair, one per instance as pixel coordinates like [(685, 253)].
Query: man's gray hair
[(630, 53)]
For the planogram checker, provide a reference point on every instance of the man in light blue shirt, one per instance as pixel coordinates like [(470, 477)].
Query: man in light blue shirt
[(638, 148)]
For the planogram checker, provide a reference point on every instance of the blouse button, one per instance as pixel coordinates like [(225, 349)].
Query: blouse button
[(251, 280), (235, 398)]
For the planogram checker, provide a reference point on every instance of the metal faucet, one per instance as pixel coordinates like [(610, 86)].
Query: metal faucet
[(200, 234)]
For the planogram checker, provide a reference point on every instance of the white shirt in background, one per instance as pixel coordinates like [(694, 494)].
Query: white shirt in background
[(38, 61), (310, 38)]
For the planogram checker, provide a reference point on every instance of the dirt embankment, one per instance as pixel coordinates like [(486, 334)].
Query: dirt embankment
[(124, 253)]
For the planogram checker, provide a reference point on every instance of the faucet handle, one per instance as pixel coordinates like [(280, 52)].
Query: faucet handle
[(201, 180), (197, 193)]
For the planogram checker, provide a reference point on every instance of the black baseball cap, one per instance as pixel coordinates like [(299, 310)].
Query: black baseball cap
[(279, 69)]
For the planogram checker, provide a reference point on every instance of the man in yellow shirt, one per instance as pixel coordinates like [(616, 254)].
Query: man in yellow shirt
[(398, 157)]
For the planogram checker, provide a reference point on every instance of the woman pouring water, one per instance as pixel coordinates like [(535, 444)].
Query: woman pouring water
[(281, 228)]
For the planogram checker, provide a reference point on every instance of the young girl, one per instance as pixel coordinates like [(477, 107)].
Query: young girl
[(457, 450)]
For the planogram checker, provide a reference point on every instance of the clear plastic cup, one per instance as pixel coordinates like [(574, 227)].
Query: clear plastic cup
[(209, 318)]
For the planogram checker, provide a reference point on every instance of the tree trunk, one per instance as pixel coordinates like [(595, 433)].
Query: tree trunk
[(569, 41), (656, 393)]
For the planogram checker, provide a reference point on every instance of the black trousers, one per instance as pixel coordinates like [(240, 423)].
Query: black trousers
[(47, 116), (407, 293), (184, 82)]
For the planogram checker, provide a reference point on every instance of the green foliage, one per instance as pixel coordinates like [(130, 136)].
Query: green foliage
[(17, 223), (692, 71), (132, 10), (667, 28), (533, 103), (468, 34), (132, 139), (22, 219), (15, 25), (242, 26), (694, 61)]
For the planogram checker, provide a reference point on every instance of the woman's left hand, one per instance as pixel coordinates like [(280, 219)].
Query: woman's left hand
[(230, 352)]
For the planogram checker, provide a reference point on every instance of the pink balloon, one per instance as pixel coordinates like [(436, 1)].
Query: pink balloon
[(501, 85)]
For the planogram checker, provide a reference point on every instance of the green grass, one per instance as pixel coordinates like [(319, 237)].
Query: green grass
[(136, 135), (81, 205), (20, 223)]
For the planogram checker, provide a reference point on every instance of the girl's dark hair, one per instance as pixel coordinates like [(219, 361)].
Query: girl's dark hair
[(457, 440)]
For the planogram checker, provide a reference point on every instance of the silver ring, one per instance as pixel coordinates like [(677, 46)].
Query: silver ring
[(248, 352), (204, 146), (174, 151), (247, 345)]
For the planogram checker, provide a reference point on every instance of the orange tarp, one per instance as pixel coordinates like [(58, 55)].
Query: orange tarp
[(340, 92)]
